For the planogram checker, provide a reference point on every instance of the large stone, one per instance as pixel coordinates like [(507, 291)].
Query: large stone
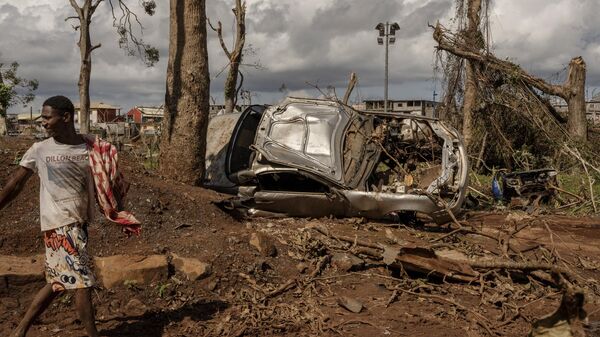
[(346, 262), (264, 244), (19, 270), (350, 304), (194, 269), (135, 307), (115, 270)]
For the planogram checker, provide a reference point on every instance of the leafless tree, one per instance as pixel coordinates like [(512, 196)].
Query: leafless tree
[(123, 20), (235, 55)]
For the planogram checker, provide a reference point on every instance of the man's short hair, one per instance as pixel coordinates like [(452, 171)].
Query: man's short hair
[(61, 104)]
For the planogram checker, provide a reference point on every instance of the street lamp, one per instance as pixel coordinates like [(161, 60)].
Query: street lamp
[(387, 36)]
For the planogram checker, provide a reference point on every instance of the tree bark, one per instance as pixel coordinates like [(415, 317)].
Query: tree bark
[(472, 36), (351, 85), (575, 97), (85, 72), (183, 142), (3, 128)]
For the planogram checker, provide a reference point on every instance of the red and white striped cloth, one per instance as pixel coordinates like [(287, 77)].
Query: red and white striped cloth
[(110, 186)]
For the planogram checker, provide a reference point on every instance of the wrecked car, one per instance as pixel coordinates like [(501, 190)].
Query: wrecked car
[(314, 158), (525, 188)]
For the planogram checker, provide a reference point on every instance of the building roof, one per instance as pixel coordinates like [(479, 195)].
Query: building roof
[(27, 116), (99, 105), (401, 100), (151, 111)]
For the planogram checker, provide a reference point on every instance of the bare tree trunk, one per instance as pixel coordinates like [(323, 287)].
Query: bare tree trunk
[(183, 142), (469, 104), (472, 36), (235, 56), (3, 128), (85, 72), (351, 84), (230, 90), (575, 91), (84, 14)]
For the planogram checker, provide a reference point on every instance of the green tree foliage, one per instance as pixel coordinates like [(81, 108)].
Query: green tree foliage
[(14, 89)]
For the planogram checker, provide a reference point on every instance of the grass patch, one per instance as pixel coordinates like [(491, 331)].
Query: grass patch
[(578, 183)]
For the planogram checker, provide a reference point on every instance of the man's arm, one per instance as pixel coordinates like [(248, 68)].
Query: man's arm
[(14, 185)]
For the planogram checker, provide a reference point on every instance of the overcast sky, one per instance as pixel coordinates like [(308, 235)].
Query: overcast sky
[(298, 44)]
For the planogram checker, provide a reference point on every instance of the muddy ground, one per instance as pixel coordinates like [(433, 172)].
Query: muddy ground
[(244, 294)]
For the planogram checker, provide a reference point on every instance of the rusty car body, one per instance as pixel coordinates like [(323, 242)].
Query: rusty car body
[(312, 158)]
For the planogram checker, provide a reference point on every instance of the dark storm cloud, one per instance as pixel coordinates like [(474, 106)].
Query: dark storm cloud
[(45, 45), (311, 33), (316, 41), (347, 17), (342, 20)]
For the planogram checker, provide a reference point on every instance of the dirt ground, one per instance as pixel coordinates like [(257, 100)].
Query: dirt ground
[(244, 295)]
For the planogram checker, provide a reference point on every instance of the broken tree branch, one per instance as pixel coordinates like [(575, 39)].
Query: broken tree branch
[(293, 283), (463, 50), (326, 232), (351, 84), (587, 173), (566, 192), (572, 90)]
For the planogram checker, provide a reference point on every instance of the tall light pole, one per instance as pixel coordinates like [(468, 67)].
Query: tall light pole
[(387, 36)]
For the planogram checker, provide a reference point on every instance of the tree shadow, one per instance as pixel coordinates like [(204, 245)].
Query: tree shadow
[(151, 324)]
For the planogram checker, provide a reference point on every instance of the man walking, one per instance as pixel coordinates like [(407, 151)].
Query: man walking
[(65, 164)]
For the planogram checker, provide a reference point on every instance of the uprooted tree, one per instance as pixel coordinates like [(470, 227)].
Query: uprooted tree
[(485, 73), (123, 23), (13, 90), (234, 56), (183, 142)]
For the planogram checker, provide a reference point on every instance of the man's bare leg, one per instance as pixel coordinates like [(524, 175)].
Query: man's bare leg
[(41, 301), (83, 303)]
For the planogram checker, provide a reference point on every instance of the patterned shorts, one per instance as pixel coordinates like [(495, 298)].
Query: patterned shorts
[(68, 265)]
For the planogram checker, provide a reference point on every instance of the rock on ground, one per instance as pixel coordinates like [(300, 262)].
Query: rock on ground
[(194, 269), (264, 244), (350, 304), (115, 270), (18, 270), (346, 262)]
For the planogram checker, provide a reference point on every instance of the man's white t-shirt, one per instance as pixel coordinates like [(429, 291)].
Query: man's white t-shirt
[(66, 185)]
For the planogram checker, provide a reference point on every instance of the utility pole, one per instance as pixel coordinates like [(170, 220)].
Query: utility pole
[(387, 36)]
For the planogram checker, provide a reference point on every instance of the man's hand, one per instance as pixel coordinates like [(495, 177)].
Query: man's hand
[(14, 185)]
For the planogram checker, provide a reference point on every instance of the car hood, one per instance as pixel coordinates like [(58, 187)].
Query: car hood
[(305, 134)]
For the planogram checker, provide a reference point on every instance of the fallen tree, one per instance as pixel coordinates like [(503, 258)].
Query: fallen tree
[(572, 90)]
